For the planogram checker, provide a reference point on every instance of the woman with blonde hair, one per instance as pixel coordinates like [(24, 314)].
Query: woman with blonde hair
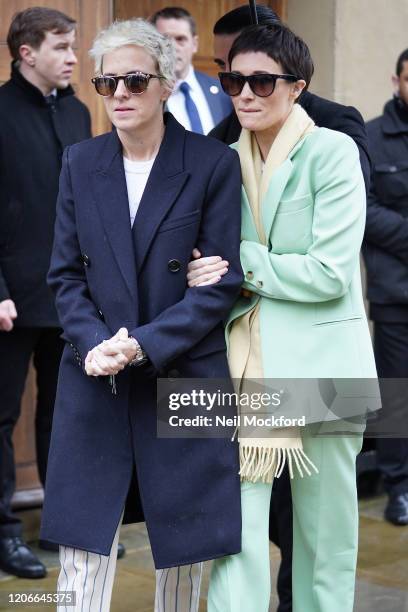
[(131, 206)]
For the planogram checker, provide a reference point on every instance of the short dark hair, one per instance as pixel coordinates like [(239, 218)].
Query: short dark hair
[(29, 27), (175, 12), (280, 44), (239, 18), (400, 62)]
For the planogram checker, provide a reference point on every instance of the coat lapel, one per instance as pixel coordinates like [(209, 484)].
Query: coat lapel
[(166, 181), (110, 193)]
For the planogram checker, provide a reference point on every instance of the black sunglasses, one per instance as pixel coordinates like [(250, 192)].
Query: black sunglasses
[(136, 83), (262, 85)]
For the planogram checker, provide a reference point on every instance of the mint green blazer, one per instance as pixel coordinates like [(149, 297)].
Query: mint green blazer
[(307, 279)]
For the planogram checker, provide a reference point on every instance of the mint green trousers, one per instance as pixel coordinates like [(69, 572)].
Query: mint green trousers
[(325, 536)]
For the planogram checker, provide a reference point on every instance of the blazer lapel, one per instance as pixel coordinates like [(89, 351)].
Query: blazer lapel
[(166, 180), (248, 227), (273, 195), (111, 198), (276, 188)]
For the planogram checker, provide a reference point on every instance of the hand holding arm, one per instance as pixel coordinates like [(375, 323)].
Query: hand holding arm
[(204, 271)]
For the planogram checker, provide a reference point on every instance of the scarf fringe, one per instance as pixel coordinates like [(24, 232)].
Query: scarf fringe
[(263, 464)]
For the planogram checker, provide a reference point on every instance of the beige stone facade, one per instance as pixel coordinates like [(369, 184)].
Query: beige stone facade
[(355, 45)]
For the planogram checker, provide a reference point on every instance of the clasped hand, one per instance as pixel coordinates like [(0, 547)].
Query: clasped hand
[(111, 356)]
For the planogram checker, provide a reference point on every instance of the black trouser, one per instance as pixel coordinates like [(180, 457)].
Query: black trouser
[(281, 534), (16, 349), (391, 355)]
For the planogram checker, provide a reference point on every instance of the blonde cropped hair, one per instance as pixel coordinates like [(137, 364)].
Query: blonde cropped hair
[(142, 34)]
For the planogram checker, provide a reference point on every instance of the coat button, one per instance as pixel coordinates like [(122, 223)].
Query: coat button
[(86, 260), (249, 275), (174, 265), (259, 284)]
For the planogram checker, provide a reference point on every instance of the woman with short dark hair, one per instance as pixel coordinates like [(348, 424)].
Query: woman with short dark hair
[(300, 315)]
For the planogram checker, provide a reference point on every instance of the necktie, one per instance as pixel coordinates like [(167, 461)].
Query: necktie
[(191, 109)]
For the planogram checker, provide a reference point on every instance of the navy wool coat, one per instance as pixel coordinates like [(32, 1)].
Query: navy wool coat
[(105, 453)]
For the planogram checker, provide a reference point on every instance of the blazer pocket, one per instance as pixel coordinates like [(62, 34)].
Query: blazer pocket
[(182, 220), (295, 205), (335, 321)]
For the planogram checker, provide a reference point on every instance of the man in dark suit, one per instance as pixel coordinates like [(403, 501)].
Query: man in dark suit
[(325, 113), (197, 101), (385, 252), (39, 116)]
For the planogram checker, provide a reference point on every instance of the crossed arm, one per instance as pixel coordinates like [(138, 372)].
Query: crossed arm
[(325, 271)]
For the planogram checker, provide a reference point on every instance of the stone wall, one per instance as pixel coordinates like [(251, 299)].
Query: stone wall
[(355, 45)]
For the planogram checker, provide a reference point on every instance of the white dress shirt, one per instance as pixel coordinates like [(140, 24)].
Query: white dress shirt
[(177, 106)]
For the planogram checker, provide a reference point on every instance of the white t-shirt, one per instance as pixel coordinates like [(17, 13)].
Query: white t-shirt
[(137, 174)]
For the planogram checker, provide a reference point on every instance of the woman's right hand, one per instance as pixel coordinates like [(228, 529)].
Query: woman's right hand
[(205, 270)]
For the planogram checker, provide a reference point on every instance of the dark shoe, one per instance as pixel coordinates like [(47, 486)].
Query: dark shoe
[(396, 511), (121, 550), (46, 545), (17, 558)]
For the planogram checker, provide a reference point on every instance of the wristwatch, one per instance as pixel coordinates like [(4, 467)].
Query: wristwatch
[(140, 356)]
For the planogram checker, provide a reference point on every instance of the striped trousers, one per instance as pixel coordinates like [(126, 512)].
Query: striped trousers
[(91, 577)]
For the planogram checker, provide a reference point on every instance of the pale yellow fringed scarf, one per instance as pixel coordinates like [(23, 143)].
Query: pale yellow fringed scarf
[(262, 459)]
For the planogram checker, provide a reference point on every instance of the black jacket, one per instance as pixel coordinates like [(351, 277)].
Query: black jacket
[(33, 135), (386, 239), (324, 113)]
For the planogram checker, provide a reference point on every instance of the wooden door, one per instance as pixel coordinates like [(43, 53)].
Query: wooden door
[(205, 12), (91, 16)]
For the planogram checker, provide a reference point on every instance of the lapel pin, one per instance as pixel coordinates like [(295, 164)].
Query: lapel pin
[(214, 89)]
